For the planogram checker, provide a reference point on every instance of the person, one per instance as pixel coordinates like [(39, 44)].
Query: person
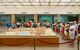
[(43, 23), (79, 28), (53, 27), (8, 25), (62, 28), (48, 24), (34, 24), (56, 27), (18, 24), (38, 24), (62, 31), (59, 26), (72, 33), (67, 31), (30, 23), (76, 27), (13, 26), (26, 24)]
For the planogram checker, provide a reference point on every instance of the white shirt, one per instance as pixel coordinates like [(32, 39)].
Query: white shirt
[(76, 27), (72, 33), (72, 27), (18, 23)]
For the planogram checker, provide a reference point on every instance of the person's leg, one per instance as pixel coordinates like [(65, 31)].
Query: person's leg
[(72, 43)]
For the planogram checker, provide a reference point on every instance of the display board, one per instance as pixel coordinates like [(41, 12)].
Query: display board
[(23, 18), (55, 19), (4, 20), (46, 17), (28, 18), (62, 19)]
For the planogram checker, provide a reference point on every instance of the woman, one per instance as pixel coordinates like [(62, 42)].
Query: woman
[(67, 32), (30, 23), (56, 28), (62, 31), (18, 24), (63, 28)]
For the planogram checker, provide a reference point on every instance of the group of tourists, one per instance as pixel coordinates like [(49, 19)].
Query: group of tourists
[(69, 31)]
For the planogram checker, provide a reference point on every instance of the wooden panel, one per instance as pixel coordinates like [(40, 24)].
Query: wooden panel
[(16, 42), (47, 42), (29, 42)]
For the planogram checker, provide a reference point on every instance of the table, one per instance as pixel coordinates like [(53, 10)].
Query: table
[(29, 37)]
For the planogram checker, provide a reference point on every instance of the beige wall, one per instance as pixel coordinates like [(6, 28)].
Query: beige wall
[(40, 10)]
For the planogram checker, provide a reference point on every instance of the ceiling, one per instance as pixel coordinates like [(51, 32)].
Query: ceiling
[(39, 2)]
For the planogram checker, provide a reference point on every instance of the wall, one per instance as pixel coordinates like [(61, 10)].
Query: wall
[(40, 10)]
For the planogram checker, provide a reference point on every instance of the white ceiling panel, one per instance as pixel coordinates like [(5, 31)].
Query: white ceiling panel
[(54, 0), (44, 4), (77, 0), (53, 4), (39, 2), (5, 3), (65, 0), (35, 4), (16, 4), (26, 4), (44, 1), (34, 1), (72, 4), (62, 3), (22, 0)]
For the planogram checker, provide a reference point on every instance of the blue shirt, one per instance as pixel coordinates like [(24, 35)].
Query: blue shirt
[(8, 25)]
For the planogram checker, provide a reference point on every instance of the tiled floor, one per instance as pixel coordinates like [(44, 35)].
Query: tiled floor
[(61, 47)]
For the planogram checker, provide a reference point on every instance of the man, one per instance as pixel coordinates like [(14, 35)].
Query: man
[(44, 23), (48, 24), (76, 27), (18, 24), (13, 26), (34, 24), (8, 25), (79, 28), (72, 33)]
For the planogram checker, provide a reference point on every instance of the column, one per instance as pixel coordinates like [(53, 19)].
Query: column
[(35, 17), (13, 19), (79, 19)]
